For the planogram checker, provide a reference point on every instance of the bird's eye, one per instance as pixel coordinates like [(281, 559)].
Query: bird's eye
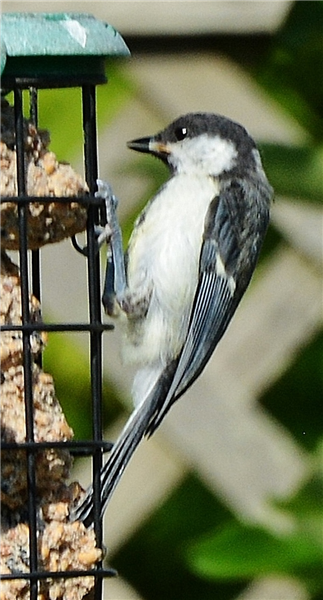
[(181, 133)]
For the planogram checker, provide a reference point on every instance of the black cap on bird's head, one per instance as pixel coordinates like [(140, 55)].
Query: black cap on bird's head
[(225, 143)]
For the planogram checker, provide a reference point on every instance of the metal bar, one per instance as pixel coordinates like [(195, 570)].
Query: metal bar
[(35, 270), (86, 200), (33, 115), (51, 81), (27, 358), (56, 327), (33, 105), (35, 254), (37, 575), (91, 174), (72, 444)]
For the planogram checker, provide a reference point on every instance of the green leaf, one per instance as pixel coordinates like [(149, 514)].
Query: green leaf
[(306, 505), (292, 73), (238, 552), (295, 171), (300, 385), (152, 559)]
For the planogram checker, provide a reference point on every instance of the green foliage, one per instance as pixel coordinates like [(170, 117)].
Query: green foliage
[(234, 551), (192, 546), (161, 545), (295, 171), (295, 398), (238, 552), (215, 547), (292, 73)]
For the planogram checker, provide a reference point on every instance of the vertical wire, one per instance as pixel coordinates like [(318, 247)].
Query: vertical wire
[(27, 359), (91, 173), (33, 115), (35, 254)]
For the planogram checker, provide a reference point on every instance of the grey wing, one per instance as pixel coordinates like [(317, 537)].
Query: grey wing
[(214, 305), (234, 229)]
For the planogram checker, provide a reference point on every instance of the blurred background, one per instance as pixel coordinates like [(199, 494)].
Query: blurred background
[(225, 500)]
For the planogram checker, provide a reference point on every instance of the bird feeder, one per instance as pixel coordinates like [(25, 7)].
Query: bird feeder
[(43, 201)]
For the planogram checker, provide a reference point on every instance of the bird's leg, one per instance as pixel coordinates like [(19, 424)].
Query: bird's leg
[(115, 280), (115, 285)]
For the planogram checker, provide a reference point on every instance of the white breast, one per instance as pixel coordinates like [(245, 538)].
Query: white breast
[(163, 258)]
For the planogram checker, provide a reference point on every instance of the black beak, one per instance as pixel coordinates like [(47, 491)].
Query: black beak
[(151, 146), (141, 145)]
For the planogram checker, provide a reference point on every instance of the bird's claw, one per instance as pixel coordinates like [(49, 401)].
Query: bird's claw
[(103, 234), (105, 191)]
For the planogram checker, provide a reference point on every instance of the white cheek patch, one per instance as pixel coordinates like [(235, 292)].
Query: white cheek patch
[(206, 154)]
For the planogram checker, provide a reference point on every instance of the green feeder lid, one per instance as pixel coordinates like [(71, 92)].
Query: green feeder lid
[(56, 49)]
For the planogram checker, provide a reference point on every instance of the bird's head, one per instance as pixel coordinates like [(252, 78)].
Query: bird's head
[(206, 143)]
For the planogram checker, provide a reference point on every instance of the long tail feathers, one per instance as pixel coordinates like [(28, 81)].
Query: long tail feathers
[(122, 451)]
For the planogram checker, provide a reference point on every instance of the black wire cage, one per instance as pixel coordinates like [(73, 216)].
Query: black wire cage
[(52, 51)]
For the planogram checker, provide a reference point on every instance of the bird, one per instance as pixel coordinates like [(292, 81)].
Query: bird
[(190, 258)]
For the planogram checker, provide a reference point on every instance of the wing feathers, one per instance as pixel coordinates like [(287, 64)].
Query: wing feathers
[(208, 322), (212, 309)]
